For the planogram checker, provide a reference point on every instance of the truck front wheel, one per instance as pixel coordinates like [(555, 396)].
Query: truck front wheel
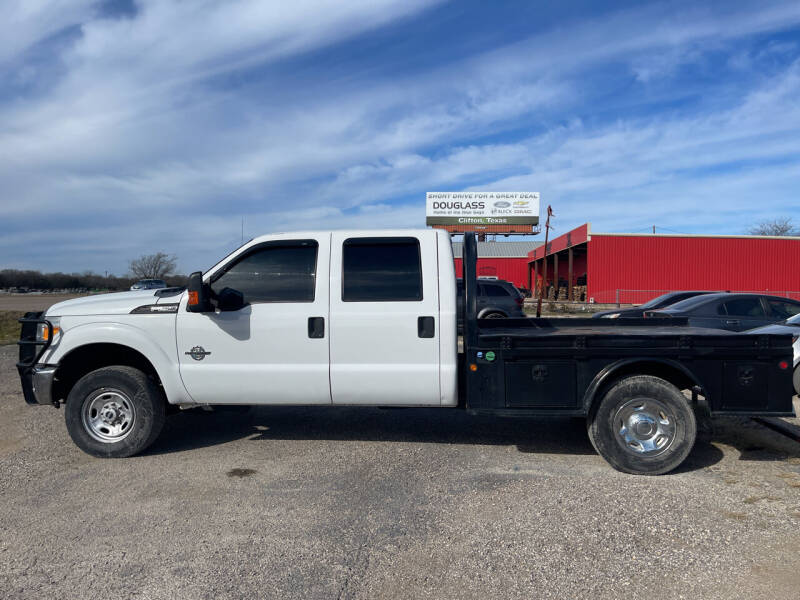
[(114, 412), (643, 425)]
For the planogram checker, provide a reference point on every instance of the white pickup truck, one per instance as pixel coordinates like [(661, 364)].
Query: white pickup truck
[(369, 318)]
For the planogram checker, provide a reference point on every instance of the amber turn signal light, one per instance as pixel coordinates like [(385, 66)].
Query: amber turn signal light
[(46, 333), (194, 298)]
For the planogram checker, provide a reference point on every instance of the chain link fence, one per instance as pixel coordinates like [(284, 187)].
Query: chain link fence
[(642, 296)]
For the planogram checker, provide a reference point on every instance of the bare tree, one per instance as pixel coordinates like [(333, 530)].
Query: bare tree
[(153, 266), (779, 226)]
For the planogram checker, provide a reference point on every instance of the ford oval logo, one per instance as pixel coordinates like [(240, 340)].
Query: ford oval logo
[(502, 204)]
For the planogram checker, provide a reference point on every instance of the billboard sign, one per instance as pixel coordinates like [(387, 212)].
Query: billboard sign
[(482, 208)]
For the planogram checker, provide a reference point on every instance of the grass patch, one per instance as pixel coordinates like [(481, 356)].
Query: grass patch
[(9, 327)]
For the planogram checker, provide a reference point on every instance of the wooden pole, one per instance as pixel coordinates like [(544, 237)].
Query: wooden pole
[(544, 276), (544, 281)]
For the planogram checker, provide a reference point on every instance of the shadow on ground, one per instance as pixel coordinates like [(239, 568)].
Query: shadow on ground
[(197, 429), (754, 441)]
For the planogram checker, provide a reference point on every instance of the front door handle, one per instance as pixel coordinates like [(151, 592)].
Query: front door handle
[(426, 327), (734, 322), (316, 327)]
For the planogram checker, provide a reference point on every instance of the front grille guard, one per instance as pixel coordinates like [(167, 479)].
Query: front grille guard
[(28, 355)]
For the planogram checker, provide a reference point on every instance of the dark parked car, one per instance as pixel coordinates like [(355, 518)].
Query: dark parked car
[(734, 312), (790, 326), (149, 284), (662, 301), (497, 299)]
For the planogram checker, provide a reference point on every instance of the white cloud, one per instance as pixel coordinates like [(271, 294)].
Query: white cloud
[(26, 22), (164, 128)]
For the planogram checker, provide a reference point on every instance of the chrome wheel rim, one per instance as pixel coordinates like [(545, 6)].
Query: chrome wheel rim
[(644, 426), (108, 415)]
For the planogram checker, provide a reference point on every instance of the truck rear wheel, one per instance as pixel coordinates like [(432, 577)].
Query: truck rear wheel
[(114, 412), (643, 425)]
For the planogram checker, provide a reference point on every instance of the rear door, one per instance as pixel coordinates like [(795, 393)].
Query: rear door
[(743, 313), (384, 313)]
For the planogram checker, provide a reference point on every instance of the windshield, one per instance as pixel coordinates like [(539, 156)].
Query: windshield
[(690, 303), (655, 302)]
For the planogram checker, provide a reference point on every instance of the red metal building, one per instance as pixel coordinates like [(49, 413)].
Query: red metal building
[(633, 267), (504, 260)]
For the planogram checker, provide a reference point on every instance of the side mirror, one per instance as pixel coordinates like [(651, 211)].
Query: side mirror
[(229, 299), (199, 300)]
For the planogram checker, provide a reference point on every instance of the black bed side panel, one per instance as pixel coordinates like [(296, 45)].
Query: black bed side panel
[(563, 380)]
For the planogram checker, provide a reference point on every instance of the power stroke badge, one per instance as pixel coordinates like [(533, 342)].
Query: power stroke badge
[(197, 353)]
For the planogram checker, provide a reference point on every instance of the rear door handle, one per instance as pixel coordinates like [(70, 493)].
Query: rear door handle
[(316, 327), (426, 327), (732, 322)]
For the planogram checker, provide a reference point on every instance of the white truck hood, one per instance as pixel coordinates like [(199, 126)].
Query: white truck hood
[(118, 303)]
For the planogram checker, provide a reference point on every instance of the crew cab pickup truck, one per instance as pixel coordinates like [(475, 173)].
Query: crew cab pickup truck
[(368, 318)]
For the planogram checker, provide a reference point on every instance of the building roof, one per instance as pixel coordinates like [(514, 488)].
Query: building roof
[(583, 234), (499, 249)]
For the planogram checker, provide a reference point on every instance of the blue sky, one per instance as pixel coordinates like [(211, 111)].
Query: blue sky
[(131, 127)]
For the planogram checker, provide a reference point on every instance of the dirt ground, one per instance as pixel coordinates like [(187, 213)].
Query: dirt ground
[(14, 306), (364, 503), (30, 302)]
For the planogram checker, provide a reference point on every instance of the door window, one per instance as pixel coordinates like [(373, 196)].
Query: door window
[(745, 307), (495, 291), (273, 272), (381, 270), (783, 310)]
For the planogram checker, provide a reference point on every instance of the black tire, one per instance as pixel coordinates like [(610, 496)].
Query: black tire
[(643, 425), (114, 412)]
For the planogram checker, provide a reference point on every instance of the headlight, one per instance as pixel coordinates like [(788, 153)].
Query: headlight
[(42, 331), (611, 316)]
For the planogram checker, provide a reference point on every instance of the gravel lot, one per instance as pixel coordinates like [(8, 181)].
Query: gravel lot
[(367, 503)]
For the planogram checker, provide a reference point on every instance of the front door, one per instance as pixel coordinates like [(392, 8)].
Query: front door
[(275, 349), (385, 327)]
